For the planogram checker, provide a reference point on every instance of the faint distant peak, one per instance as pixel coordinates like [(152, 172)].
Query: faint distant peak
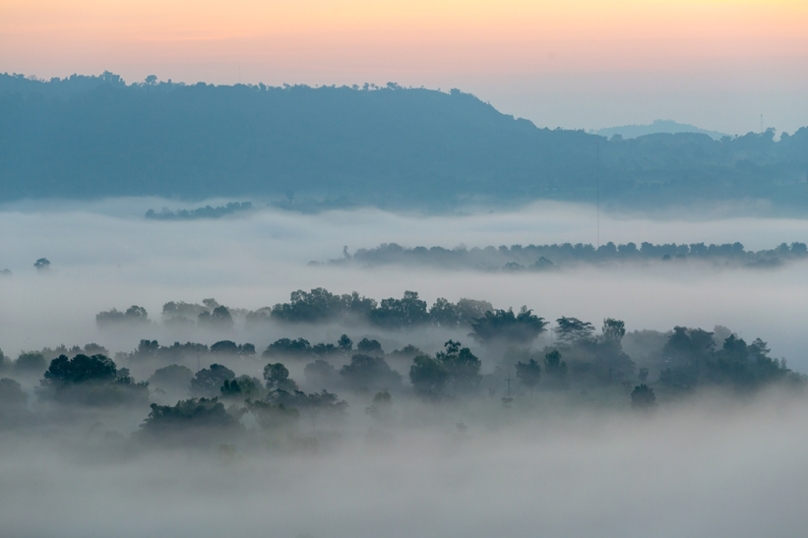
[(658, 126)]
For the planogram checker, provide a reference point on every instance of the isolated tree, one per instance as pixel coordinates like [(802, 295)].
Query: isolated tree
[(42, 264), (642, 374), (556, 369), (345, 344), (643, 398), (573, 330), (529, 373), (613, 330)]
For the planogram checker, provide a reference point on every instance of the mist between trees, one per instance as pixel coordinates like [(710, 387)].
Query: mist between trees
[(559, 256), (291, 392)]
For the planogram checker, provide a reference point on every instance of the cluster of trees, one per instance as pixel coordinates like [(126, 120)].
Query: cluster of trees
[(692, 359), (210, 314), (213, 399), (320, 305), (546, 257), (352, 145), (206, 212)]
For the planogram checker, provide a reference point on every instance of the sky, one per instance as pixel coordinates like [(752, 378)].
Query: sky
[(718, 64)]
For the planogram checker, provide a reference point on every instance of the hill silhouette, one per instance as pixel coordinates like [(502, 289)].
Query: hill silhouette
[(87, 137)]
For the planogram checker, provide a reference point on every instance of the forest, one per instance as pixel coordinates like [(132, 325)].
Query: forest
[(557, 256), (292, 392), (314, 148)]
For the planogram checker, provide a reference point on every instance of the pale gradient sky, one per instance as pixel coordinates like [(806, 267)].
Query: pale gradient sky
[(580, 63)]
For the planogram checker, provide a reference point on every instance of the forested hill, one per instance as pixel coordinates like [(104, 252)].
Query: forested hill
[(97, 136)]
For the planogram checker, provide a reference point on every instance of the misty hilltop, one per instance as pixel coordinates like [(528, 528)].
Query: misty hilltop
[(657, 127), (88, 137)]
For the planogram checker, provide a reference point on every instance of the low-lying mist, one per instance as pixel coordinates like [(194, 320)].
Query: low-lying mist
[(105, 254), (711, 467), (477, 438)]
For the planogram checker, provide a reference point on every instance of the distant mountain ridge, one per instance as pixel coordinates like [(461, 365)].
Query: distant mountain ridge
[(656, 127), (90, 137)]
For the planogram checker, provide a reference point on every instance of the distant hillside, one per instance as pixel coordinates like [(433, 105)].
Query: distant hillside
[(658, 126), (86, 137)]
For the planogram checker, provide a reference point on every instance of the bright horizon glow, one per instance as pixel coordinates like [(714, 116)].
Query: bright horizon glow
[(584, 63)]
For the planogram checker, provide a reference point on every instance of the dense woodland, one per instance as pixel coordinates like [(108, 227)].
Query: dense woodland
[(549, 257), (309, 148), (205, 395)]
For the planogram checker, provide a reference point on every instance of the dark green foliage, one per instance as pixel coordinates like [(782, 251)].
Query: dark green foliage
[(642, 374), (345, 344), (242, 388), (428, 376), (30, 362), (11, 394), (81, 369), (573, 330), (694, 361), (455, 370), (220, 317), (556, 370), (366, 372), (225, 347), (42, 264), (388, 145), (407, 312), (13, 411), (206, 212), (546, 257), (529, 373), (462, 365), (172, 377), (285, 347), (208, 381), (133, 314), (277, 377), (228, 347), (408, 353), (320, 305), (196, 421), (151, 350), (505, 326), (643, 398), (613, 330), (274, 418), (369, 347), (93, 381)]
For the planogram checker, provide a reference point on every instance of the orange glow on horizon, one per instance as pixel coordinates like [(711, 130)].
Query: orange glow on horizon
[(472, 36)]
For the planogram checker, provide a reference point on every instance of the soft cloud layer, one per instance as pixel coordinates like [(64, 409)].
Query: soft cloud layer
[(106, 255)]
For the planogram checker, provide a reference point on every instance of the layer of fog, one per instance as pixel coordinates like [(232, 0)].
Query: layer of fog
[(104, 255), (706, 468)]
